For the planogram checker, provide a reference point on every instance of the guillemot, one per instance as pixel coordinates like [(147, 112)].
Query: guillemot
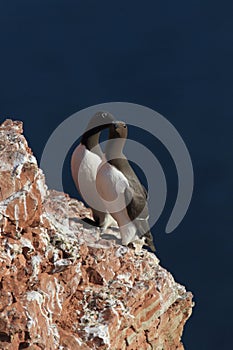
[(85, 161), (125, 197)]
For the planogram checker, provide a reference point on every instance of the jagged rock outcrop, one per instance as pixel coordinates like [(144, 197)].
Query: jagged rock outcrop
[(64, 286)]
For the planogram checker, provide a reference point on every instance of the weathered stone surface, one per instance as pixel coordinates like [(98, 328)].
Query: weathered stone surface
[(64, 286)]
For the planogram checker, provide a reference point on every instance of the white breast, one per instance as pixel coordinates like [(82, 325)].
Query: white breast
[(84, 165), (111, 185)]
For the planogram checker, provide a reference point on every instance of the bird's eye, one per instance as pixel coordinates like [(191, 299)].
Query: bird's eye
[(124, 126)]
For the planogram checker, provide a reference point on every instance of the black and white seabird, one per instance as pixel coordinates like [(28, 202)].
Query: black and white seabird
[(130, 209), (85, 161)]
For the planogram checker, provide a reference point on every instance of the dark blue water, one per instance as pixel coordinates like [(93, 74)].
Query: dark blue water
[(58, 57)]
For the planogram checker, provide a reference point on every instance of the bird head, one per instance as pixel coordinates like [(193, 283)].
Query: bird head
[(118, 130), (100, 120)]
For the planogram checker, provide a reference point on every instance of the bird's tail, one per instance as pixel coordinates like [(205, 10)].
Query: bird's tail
[(143, 229), (149, 241)]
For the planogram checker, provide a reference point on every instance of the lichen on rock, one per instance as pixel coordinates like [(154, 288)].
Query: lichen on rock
[(66, 286)]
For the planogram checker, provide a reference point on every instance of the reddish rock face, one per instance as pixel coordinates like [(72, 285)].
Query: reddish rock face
[(63, 286)]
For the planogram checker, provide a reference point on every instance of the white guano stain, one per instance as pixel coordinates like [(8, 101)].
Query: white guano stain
[(100, 331)]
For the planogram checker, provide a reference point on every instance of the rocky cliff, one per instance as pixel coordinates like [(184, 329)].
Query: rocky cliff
[(64, 286)]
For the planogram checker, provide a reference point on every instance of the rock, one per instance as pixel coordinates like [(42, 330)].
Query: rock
[(66, 286)]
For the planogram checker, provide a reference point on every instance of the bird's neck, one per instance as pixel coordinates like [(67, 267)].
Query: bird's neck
[(114, 149), (90, 141)]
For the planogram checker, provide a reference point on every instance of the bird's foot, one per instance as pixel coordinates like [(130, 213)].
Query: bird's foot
[(89, 223)]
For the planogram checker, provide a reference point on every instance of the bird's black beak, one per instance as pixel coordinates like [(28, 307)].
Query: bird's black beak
[(115, 124)]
